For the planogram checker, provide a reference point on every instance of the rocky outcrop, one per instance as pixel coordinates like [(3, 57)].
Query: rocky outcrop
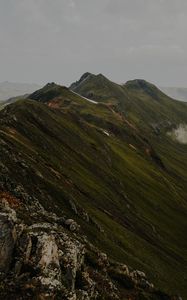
[(51, 260), (42, 260), (8, 236)]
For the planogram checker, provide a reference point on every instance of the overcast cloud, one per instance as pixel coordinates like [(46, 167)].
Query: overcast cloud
[(58, 40)]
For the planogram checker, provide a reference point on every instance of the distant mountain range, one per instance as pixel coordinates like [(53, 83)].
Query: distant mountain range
[(178, 93), (13, 89)]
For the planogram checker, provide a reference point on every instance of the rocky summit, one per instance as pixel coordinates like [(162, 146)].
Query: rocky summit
[(93, 190)]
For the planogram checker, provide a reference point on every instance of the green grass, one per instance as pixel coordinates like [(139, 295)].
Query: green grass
[(140, 206)]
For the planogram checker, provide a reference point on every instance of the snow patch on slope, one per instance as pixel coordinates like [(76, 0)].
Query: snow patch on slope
[(92, 101)]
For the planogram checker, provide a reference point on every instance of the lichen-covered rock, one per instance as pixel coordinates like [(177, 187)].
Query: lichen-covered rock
[(8, 236), (49, 259), (140, 279), (47, 253), (72, 258)]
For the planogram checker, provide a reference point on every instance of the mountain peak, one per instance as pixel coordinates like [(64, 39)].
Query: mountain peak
[(50, 84), (144, 86), (77, 83), (86, 76), (48, 92), (138, 83)]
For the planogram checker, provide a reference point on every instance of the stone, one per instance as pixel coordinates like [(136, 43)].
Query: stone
[(72, 225), (8, 237)]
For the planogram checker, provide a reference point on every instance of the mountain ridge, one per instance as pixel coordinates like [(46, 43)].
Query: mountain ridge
[(100, 165)]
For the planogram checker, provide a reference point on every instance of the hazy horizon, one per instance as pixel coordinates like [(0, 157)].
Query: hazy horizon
[(44, 41), (61, 83)]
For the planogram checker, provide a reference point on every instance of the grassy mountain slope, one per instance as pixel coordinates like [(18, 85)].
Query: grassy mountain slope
[(139, 100), (152, 113), (104, 165)]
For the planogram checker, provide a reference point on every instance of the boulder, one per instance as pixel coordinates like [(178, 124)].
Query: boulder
[(72, 225)]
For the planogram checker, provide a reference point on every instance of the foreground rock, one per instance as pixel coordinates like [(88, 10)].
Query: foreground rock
[(50, 260)]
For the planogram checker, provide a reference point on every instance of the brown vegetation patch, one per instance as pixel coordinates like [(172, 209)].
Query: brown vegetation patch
[(12, 201), (55, 103)]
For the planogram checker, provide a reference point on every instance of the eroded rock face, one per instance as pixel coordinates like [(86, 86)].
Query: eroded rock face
[(7, 236), (42, 258), (49, 266), (72, 258), (51, 260)]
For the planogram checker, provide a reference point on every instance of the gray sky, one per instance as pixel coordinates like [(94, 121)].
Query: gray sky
[(58, 40)]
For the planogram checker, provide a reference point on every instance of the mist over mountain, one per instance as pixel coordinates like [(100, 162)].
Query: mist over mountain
[(13, 89), (178, 93)]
